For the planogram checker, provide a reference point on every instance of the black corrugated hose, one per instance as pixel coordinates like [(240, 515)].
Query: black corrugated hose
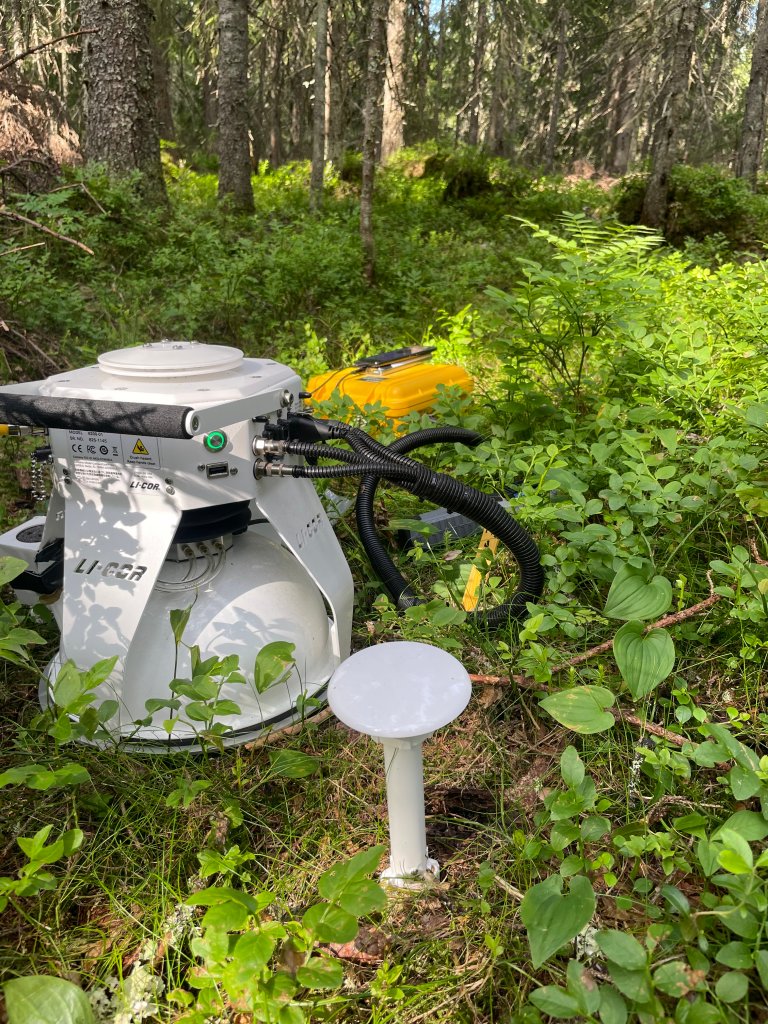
[(374, 461)]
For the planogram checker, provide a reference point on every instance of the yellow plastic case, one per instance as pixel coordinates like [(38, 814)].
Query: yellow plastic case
[(400, 390)]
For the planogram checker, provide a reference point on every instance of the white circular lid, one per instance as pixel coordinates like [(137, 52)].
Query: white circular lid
[(163, 359), (399, 690)]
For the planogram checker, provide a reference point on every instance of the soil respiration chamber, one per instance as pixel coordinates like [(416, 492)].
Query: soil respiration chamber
[(166, 462)]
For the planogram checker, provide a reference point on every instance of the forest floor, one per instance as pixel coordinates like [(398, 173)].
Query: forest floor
[(600, 810)]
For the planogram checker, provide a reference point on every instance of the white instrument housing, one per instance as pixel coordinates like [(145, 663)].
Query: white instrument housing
[(151, 524)]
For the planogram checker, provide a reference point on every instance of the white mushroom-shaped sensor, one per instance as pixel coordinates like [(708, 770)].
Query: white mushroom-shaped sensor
[(400, 693)]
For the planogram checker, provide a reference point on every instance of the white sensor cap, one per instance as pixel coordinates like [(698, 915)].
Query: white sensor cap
[(399, 690)]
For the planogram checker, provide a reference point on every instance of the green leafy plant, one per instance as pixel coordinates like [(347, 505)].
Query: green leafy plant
[(240, 945)]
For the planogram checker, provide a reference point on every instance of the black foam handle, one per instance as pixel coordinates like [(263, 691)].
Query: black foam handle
[(88, 414)]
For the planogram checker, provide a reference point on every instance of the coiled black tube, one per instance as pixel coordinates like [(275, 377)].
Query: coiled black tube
[(395, 583), (376, 461)]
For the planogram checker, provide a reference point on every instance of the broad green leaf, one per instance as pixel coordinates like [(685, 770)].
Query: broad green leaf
[(273, 664), (254, 949), (582, 985), (731, 986), (330, 923), (225, 707), (735, 954), (761, 963), (68, 685), (676, 899), (552, 918), (179, 619), (37, 776), (632, 984), (213, 947), (216, 894), (320, 972), (613, 1009), (632, 596), (99, 673), (198, 711), (737, 855), (581, 708), (10, 568), (555, 1001), (230, 916), (594, 827), (676, 979), (106, 710), (335, 880), (292, 764), (748, 824), (362, 897), (644, 659), (757, 416), (39, 999), (571, 767), (621, 948), (741, 922), (707, 852)]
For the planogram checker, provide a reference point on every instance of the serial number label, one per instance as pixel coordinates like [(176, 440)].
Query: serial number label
[(128, 449)]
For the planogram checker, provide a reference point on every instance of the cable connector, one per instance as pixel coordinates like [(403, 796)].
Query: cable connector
[(268, 446), (263, 467), (19, 430), (304, 427)]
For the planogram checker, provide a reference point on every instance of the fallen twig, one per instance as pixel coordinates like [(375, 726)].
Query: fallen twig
[(291, 730), (21, 248), (48, 231), (27, 340), (668, 620), (526, 683), (759, 560), (41, 46)]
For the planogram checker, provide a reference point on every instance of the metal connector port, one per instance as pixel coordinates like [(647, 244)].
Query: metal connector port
[(217, 469)]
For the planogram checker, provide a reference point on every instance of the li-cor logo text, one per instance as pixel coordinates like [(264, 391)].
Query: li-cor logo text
[(129, 571)]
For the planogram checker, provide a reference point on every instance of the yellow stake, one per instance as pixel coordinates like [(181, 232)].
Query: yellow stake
[(470, 599)]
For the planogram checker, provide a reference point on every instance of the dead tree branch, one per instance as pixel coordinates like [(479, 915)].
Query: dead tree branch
[(41, 227), (42, 46)]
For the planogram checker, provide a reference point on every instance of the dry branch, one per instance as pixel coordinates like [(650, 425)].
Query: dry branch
[(41, 46), (48, 231), (526, 683)]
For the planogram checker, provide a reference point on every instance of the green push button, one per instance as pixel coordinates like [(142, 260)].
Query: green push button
[(215, 441)]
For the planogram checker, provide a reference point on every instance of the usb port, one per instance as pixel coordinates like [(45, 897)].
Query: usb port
[(217, 469)]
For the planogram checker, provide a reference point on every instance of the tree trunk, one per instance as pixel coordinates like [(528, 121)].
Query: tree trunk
[(121, 129), (495, 139), (319, 111), (161, 32), (422, 70), (624, 118), (750, 152), (557, 91), (233, 143), (439, 65), (394, 83), (476, 85), (275, 132), (664, 151), (373, 84)]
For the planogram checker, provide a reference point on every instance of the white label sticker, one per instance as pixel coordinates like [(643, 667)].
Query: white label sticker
[(95, 445), (91, 471)]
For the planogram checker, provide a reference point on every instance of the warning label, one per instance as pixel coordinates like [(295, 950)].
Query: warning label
[(141, 451)]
